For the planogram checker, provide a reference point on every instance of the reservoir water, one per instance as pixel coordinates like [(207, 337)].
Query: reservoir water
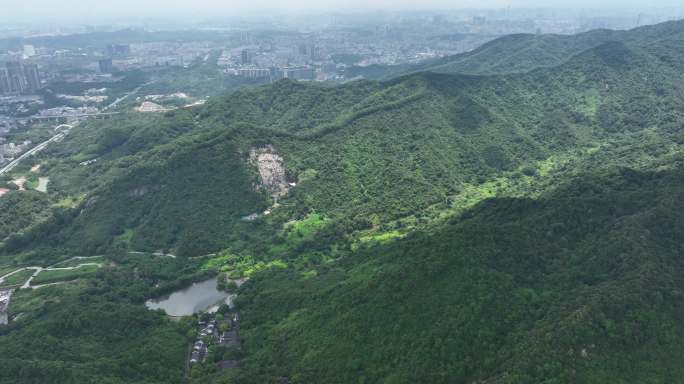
[(196, 298)]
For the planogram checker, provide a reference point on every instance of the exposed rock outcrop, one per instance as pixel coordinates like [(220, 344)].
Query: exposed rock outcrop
[(271, 171)]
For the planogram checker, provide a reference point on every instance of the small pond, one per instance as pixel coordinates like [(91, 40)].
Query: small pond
[(196, 298)]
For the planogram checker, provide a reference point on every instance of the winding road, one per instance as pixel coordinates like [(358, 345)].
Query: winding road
[(32, 151), (62, 134), (37, 270)]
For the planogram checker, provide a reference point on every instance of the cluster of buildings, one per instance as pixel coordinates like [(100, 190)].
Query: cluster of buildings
[(9, 151), (279, 50), (66, 112), (112, 51), (210, 334), (199, 352), (148, 55), (18, 77), (274, 73), (274, 63), (324, 54)]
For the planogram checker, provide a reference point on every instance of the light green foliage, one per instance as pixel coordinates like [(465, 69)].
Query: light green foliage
[(53, 276), (588, 103), (21, 210), (305, 229), (18, 278), (382, 237), (219, 262)]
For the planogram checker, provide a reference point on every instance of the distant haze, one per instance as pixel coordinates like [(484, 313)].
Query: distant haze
[(96, 9)]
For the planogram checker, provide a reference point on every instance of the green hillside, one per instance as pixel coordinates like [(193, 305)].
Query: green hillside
[(498, 223), (581, 285), (18, 211), (524, 52), (393, 155)]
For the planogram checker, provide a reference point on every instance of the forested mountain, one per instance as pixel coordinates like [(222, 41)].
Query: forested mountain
[(380, 152), (525, 52), (509, 216), (580, 285)]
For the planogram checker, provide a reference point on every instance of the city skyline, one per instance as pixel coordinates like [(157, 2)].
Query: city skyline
[(34, 10)]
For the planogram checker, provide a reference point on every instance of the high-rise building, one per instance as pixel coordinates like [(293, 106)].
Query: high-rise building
[(314, 52), (4, 81), (17, 78), (311, 51), (299, 73), (254, 73), (17, 81), (32, 77), (106, 65), (246, 57)]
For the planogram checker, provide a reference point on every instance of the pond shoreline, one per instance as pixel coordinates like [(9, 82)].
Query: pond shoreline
[(198, 297)]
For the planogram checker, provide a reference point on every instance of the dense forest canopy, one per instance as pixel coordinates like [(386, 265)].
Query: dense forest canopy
[(509, 215)]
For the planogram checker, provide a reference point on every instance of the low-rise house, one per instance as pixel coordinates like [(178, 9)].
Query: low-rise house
[(199, 344)]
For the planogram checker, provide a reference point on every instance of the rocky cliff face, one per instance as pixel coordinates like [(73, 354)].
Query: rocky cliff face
[(271, 170), (4, 305)]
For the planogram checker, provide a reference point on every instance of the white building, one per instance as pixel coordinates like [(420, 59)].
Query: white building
[(29, 51)]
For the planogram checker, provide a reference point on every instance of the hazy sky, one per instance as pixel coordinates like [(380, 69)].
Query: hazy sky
[(38, 9)]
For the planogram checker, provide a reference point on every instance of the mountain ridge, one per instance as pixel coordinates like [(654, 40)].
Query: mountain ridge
[(440, 227)]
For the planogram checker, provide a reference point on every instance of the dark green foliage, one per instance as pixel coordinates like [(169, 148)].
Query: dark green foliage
[(579, 285), (112, 138), (397, 148), (511, 228), (20, 210), (186, 195), (91, 334)]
